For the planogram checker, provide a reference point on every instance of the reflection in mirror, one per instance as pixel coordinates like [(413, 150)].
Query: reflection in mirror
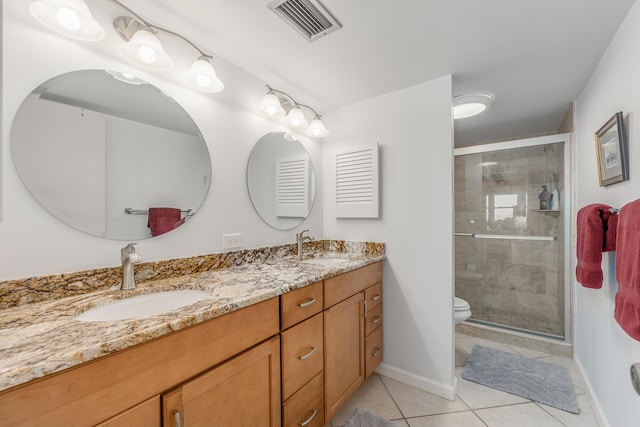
[(90, 145), (280, 180)]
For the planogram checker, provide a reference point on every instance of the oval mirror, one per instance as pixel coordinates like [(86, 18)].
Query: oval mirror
[(281, 180), (110, 155)]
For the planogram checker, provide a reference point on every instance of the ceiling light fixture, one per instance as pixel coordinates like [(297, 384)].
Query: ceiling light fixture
[(141, 46), (471, 104), (70, 18), (278, 103)]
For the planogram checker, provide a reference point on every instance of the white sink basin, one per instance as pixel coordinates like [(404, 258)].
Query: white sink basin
[(143, 306), (324, 261)]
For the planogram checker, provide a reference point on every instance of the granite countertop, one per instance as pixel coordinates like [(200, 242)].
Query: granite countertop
[(42, 338)]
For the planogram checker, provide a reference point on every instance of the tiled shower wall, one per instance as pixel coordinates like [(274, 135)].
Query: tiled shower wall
[(520, 282)]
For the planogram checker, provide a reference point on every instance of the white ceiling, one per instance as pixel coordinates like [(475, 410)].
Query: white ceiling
[(535, 56)]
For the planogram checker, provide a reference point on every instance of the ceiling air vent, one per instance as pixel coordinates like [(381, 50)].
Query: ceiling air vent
[(309, 17)]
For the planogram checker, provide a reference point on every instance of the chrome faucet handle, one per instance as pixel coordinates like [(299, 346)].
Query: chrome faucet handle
[(128, 250), (301, 234)]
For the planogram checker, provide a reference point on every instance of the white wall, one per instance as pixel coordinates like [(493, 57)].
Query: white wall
[(32, 242), (414, 129), (602, 348)]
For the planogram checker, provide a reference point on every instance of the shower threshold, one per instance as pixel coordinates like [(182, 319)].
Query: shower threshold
[(518, 337)]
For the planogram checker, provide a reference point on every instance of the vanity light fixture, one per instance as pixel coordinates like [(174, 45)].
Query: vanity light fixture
[(296, 118), (270, 104), (70, 18), (278, 103), (141, 46), (471, 104)]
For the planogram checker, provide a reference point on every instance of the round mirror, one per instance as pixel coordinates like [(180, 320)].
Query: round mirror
[(281, 180), (110, 155)]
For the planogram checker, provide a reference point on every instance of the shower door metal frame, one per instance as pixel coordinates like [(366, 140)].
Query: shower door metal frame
[(565, 139)]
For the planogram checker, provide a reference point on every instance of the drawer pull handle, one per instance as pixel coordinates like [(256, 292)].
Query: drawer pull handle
[(307, 304), (376, 297), (176, 418), (376, 352), (308, 420), (376, 319), (308, 355)]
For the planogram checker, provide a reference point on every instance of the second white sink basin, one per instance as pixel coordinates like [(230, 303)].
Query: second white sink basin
[(143, 306), (324, 261)]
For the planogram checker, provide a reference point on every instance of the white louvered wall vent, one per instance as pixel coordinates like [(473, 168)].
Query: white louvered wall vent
[(309, 17), (292, 187), (356, 182)]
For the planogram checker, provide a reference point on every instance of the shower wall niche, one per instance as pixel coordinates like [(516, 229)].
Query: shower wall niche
[(509, 252)]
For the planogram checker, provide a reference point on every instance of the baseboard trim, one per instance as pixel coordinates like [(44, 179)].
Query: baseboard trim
[(598, 412), (446, 391)]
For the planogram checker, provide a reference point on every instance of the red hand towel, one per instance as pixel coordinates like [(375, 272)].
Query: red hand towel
[(162, 220), (611, 230), (627, 311), (590, 244)]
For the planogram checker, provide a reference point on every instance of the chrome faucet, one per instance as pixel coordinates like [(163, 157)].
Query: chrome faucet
[(300, 238), (129, 257)]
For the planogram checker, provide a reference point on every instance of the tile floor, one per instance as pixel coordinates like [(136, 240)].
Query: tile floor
[(474, 406)]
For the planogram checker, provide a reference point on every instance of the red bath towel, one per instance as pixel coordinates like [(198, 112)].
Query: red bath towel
[(162, 220), (596, 234), (627, 311)]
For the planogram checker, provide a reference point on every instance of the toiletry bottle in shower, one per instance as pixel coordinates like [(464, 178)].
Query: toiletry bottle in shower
[(544, 197), (555, 199)]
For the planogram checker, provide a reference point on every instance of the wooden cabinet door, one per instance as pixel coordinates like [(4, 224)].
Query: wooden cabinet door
[(244, 391), (146, 414), (344, 352)]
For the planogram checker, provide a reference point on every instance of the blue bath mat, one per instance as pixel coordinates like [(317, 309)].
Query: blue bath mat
[(532, 379), (362, 418)]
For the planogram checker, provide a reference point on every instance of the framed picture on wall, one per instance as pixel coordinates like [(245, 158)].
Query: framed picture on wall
[(611, 147)]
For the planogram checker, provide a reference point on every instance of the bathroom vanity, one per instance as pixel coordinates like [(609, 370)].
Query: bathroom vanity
[(288, 353)]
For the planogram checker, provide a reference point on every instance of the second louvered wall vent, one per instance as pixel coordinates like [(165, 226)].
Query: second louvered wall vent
[(356, 182)]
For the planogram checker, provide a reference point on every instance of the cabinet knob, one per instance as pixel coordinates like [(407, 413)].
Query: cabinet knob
[(307, 304), (308, 420), (376, 352), (376, 297), (376, 319)]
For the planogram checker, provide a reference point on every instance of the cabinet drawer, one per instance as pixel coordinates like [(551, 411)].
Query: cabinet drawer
[(341, 287), (373, 348), (295, 306), (373, 295), (302, 354), (373, 320), (306, 406)]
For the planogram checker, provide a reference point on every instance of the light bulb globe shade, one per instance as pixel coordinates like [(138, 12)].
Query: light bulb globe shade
[(296, 118), (145, 50), (70, 18), (471, 104), (316, 129), (470, 109), (270, 105), (203, 77)]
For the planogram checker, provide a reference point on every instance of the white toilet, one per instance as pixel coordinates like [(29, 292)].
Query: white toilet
[(462, 310), (469, 277)]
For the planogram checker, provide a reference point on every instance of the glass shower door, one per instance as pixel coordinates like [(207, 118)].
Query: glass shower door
[(509, 243)]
